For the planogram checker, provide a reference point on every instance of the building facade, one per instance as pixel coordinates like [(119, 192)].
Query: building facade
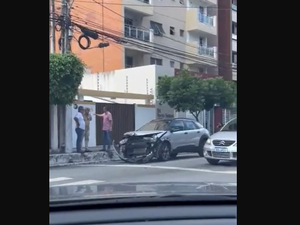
[(227, 39), (171, 33)]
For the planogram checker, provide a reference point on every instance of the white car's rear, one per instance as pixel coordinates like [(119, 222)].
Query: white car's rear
[(222, 145)]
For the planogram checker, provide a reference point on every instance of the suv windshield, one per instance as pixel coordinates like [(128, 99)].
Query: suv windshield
[(230, 126), (155, 125)]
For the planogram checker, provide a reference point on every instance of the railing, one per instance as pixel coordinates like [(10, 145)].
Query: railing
[(205, 19), (133, 32), (208, 51), (144, 1)]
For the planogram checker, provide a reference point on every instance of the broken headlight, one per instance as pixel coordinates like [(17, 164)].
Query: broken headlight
[(122, 142), (151, 139)]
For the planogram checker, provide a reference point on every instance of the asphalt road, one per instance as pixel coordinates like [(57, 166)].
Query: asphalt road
[(183, 169)]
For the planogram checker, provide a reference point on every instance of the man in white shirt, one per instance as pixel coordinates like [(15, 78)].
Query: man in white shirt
[(80, 127)]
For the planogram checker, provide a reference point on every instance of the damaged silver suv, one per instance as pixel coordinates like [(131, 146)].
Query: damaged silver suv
[(164, 139)]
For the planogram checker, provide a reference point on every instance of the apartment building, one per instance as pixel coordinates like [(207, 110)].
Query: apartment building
[(234, 39), (173, 33), (227, 39)]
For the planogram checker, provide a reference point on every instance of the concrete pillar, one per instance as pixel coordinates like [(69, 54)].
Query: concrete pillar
[(61, 115), (54, 127), (68, 129)]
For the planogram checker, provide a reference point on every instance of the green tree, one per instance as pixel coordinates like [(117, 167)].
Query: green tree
[(228, 94), (65, 75), (182, 92), (188, 92), (219, 91)]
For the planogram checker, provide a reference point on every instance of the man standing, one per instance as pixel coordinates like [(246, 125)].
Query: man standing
[(87, 119), (80, 126), (106, 128)]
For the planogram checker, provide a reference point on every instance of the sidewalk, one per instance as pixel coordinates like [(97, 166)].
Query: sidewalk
[(66, 159)]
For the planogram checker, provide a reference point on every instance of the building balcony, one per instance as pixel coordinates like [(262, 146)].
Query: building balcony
[(234, 75), (200, 23), (234, 45), (138, 39), (207, 51), (142, 7), (202, 75), (209, 2), (234, 16), (234, 71), (136, 33), (207, 54)]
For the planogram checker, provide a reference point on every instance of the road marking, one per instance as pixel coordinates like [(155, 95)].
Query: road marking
[(165, 167), (83, 182), (59, 179)]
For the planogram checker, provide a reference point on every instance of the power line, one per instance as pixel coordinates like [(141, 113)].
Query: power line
[(115, 37), (150, 49), (96, 13), (177, 53), (143, 26), (156, 6)]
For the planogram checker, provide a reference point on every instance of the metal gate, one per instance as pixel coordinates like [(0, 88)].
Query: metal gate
[(123, 120)]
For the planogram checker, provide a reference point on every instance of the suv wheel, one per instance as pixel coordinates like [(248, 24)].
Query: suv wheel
[(201, 146), (164, 152)]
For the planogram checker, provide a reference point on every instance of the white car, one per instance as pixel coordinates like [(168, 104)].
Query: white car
[(222, 145)]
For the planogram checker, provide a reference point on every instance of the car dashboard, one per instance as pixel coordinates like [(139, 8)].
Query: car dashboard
[(188, 211)]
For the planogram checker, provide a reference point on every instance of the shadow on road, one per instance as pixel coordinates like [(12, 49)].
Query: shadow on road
[(178, 158), (222, 164)]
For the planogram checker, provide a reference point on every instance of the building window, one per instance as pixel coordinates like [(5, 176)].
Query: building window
[(234, 57), (155, 61), (201, 70), (234, 28), (172, 30), (181, 66), (172, 64), (181, 33), (128, 21), (128, 62), (157, 28)]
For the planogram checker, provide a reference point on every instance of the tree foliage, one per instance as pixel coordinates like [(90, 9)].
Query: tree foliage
[(65, 75), (186, 92)]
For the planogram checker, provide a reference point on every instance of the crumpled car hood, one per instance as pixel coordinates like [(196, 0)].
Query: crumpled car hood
[(142, 133)]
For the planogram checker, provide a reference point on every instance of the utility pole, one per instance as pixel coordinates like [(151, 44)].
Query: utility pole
[(65, 47), (52, 26), (64, 26), (53, 108)]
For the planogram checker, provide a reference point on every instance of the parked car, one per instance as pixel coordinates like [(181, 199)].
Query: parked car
[(177, 135), (223, 144)]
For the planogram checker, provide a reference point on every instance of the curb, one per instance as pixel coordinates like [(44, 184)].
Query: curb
[(69, 159)]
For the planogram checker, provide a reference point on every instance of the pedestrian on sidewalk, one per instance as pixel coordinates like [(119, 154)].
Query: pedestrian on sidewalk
[(106, 129), (87, 119), (80, 127)]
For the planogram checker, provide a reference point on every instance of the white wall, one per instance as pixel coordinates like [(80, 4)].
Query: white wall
[(143, 114), (139, 80), (92, 142)]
